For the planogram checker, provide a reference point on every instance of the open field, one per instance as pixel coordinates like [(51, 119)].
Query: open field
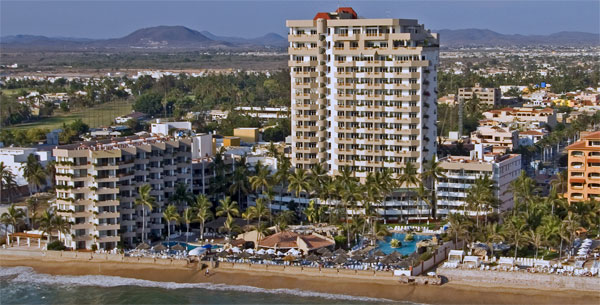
[(101, 115)]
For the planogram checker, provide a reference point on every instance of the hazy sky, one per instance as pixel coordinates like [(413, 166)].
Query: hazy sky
[(109, 18)]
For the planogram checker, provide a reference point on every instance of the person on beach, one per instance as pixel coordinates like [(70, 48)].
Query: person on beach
[(207, 272)]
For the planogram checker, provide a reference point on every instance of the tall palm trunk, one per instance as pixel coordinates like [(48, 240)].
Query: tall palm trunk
[(143, 223), (187, 231)]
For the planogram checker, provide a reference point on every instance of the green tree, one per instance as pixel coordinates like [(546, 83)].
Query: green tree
[(170, 215), (145, 200), (13, 216)]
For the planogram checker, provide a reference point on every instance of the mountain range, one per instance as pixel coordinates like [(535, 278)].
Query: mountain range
[(180, 37)]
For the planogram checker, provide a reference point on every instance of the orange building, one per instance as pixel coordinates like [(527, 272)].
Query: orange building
[(584, 168)]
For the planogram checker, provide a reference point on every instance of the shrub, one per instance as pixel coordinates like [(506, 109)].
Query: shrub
[(425, 256), (56, 245)]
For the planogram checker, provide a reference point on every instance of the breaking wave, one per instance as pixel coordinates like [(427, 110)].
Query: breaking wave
[(28, 275)]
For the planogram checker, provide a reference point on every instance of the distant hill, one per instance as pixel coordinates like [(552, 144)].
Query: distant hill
[(482, 37), (180, 37), (270, 39), (160, 37)]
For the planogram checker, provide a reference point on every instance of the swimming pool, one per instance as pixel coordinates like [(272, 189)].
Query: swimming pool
[(408, 247)]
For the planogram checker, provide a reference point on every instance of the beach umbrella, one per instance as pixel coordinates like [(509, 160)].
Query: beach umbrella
[(289, 258), (312, 258), (251, 251), (357, 257), (178, 247), (323, 250), (271, 251), (207, 246), (388, 260), (327, 254), (279, 253), (261, 252), (340, 259), (370, 260), (339, 251), (160, 247), (222, 254), (403, 265), (265, 256), (236, 250), (379, 253), (245, 255), (197, 251), (396, 255), (143, 246)]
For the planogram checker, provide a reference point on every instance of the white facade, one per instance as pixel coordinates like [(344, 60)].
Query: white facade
[(16, 157), (461, 173), (163, 128)]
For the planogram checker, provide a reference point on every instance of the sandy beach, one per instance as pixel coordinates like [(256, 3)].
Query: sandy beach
[(450, 293)]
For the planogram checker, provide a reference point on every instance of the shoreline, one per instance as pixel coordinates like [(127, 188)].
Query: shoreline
[(455, 292)]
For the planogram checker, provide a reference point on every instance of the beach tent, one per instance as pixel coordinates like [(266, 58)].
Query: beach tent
[(261, 252), (178, 247), (222, 254), (271, 251), (506, 261), (198, 251), (159, 247), (143, 246), (293, 252), (322, 250), (236, 250), (312, 258), (340, 259), (251, 251), (456, 256), (471, 260), (541, 263), (379, 253), (339, 251)]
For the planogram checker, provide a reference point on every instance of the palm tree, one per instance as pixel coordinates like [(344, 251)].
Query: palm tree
[(261, 179), (409, 178), (522, 188), (145, 200), (386, 184), (51, 171), (62, 225), (34, 173), (262, 230), (493, 234), (458, 226), (239, 183), (422, 195), (570, 225), (13, 216), (284, 219), (536, 239), (260, 210), (4, 173), (282, 174), (351, 195), (230, 226), (227, 208), (170, 215), (9, 183), (432, 173), (182, 196), (47, 223), (189, 216), (32, 206), (203, 215), (299, 182), (311, 212), (515, 230)]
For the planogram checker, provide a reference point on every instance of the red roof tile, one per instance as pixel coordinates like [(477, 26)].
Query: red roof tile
[(348, 10), (322, 15)]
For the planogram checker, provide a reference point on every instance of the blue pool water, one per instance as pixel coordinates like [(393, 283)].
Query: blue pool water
[(408, 247)]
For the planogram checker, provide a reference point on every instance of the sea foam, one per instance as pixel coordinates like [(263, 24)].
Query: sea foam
[(28, 275)]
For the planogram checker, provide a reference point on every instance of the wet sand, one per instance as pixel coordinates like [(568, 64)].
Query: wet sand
[(449, 293)]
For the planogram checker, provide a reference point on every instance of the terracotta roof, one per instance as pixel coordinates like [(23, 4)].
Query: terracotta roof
[(289, 239), (322, 15), (347, 10), (581, 144), (532, 132)]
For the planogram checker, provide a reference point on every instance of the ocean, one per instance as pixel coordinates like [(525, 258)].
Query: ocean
[(22, 285)]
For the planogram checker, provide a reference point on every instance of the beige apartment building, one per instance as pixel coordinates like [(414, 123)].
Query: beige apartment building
[(522, 117), (584, 168), (97, 183), (501, 138), (488, 96), (461, 172), (364, 92)]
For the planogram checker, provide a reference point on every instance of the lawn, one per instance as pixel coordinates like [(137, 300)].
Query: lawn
[(101, 115)]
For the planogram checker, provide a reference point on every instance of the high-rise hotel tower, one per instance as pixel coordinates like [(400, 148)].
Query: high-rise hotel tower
[(364, 92)]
